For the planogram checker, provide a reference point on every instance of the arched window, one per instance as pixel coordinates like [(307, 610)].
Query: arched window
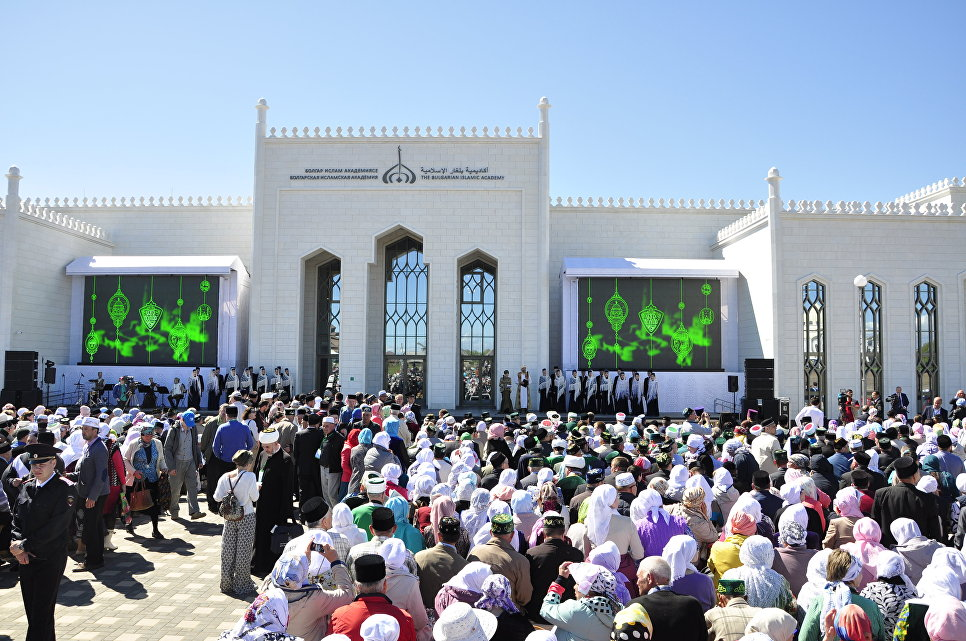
[(927, 343), (813, 332), (407, 308), (870, 361), (328, 325), (477, 333)]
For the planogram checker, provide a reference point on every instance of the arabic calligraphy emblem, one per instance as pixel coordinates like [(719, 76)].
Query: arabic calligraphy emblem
[(399, 173)]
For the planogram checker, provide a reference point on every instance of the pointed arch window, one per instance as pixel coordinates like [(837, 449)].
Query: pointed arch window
[(927, 342), (328, 324), (477, 332), (813, 334), (407, 312), (871, 336)]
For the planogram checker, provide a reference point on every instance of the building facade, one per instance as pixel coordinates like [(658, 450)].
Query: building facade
[(431, 260)]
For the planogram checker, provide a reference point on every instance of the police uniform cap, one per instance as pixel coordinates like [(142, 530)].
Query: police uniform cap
[(39, 452)]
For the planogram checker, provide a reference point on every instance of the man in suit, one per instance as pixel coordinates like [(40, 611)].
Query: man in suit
[(307, 442), (440, 563), (545, 560), (276, 474), (674, 616), (900, 402), (936, 411), (500, 554), (905, 500), (92, 490)]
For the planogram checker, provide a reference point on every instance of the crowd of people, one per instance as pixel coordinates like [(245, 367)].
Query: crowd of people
[(523, 527)]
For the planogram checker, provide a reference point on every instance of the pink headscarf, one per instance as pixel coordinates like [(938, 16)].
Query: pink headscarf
[(742, 523), (866, 547), (442, 506), (946, 619), (497, 430), (847, 502)]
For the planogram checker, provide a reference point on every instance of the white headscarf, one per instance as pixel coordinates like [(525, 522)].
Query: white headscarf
[(794, 513), (677, 479), (791, 493), (600, 512), (342, 523), (722, 480), (394, 552), (698, 480), (749, 505), (679, 553), (762, 584), (904, 529), (890, 564), (471, 577), (475, 517), (874, 461), (268, 613), (815, 572), (649, 504), (521, 502), (937, 581)]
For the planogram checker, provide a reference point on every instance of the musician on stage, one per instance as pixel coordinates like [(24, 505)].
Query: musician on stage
[(150, 397), (177, 392), (99, 387), (261, 383), (121, 392)]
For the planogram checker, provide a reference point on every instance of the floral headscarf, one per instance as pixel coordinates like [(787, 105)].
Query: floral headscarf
[(267, 613), (763, 586), (442, 506), (497, 593), (792, 534), (593, 578), (475, 517), (290, 571), (698, 480)]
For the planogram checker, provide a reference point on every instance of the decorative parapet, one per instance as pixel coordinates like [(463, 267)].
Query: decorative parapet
[(897, 208), (744, 223), (650, 203), (928, 190), (59, 219), (405, 132), (146, 201)]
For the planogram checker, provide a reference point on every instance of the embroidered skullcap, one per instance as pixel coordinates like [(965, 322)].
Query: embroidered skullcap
[(501, 524), (731, 587), (625, 479)]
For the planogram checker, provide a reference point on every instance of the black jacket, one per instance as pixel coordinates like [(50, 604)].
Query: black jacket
[(306, 444), (904, 500), (674, 616), (545, 560)]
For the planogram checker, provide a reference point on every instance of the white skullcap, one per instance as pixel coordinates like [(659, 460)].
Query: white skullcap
[(624, 480), (576, 462), (268, 436)]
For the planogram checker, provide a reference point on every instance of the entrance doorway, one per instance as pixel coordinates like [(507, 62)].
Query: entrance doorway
[(407, 376)]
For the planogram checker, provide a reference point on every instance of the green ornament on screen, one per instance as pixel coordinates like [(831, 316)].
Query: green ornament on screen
[(651, 317), (681, 305), (681, 341), (204, 311), (150, 314), (706, 289), (615, 309), (180, 302), (178, 339), (589, 348), (205, 285), (91, 343), (118, 307), (706, 316)]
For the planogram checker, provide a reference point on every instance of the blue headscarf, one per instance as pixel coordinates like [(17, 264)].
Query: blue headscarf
[(400, 509), (365, 437), (392, 427)]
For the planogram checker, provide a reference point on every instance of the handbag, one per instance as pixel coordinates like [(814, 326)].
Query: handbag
[(164, 492), (141, 497), (282, 534)]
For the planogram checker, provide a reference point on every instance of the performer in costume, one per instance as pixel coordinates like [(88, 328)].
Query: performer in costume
[(231, 382), (590, 391), (573, 392), (287, 384), (276, 381), (603, 393), (99, 386), (621, 392), (637, 395), (505, 384), (246, 381), (543, 386), (650, 394), (213, 386), (196, 387), (561, 385), (523, 388), (261, 383)]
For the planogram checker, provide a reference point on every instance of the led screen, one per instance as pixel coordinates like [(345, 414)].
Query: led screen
[(649, 323), (150, 320)]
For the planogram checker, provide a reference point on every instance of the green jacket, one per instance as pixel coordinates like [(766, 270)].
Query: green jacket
[(811, 629)]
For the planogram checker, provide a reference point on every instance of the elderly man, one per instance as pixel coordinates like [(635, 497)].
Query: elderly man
[(92, 490), (370, 585), (182, 453), (904, 499), (499, 553), (276, 475), (764, 446), (440, 563), (727, 621), (675, 616)]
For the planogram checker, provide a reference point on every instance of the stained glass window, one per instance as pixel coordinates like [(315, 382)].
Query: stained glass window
[(813, 333), (328, 325), (927, 342), (477, 332), (871, 339)]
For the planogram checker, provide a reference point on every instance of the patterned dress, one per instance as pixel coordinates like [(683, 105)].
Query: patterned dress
[(890, 598)]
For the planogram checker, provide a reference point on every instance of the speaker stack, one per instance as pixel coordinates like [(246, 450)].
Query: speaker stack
[(20, 379), (760, 387)]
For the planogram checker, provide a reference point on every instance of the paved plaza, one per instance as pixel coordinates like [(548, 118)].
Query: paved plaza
[(148, 590)]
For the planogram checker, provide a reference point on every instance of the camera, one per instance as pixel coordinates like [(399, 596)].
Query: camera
[(318, 547), (892, 398)]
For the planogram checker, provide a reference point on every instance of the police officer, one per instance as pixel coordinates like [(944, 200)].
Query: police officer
[(39, 535)]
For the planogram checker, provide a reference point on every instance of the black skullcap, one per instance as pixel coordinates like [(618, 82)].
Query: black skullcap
[(905, 467), (313, 509), (553, 522), (449, 525), (370, 568), (761, 480), (595, 476), (862, 458), (383, 519)]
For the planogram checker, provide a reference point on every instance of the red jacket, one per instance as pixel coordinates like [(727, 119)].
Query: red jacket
[(348, 619)]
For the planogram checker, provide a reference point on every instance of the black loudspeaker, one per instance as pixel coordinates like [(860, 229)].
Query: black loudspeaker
[(50, 375), (20, 398), (769, 408), (728, 417), (20, 371), (732, 384), (760, 377)]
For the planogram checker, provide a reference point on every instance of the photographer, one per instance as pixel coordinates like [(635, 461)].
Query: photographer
[(899, 402)]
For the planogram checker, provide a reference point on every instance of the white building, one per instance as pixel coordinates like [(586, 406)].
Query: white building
[(362, 251)]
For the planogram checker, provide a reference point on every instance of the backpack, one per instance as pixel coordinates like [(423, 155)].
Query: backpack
[(230, 509)]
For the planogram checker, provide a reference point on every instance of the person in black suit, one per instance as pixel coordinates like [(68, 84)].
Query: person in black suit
[(545, 560), (674, 616), (905, 500), (899, 402), (276, 475), (307, 468), (936, 411)]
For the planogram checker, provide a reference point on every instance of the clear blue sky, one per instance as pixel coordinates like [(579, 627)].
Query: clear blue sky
[(851, 100)]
